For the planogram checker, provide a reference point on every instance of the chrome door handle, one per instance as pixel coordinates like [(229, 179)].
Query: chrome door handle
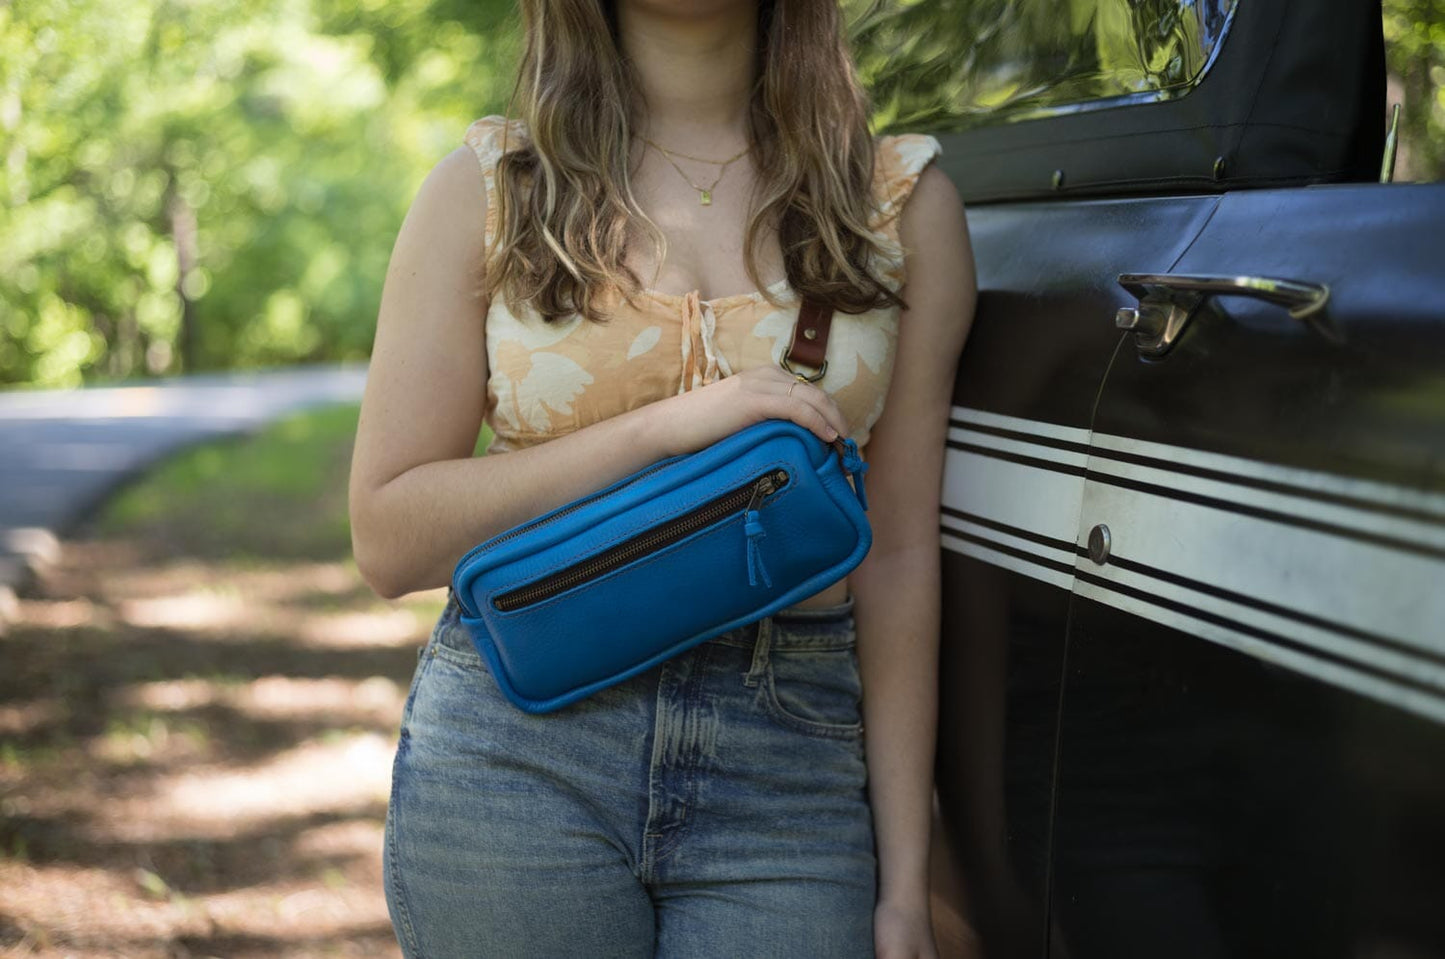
[(1167, 301)]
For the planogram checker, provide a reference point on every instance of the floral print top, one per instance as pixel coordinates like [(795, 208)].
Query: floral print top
[(549, 379)]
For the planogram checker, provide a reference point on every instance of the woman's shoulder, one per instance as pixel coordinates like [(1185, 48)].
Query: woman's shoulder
[(492, 135), (907, 145), (489, 138), (899, 160)]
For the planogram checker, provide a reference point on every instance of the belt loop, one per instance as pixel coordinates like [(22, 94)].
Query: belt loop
[(760, 651)]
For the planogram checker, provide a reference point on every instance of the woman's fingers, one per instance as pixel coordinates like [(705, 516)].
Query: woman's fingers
[(779, 394), (819, 411)]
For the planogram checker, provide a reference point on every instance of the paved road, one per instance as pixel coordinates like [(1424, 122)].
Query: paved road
[(63, 451)]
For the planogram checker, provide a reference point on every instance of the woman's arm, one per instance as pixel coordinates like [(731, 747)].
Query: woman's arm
[(897, 587), (418, 498)]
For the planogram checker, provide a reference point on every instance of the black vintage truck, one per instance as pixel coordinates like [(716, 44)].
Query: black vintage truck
[(1193, 524)]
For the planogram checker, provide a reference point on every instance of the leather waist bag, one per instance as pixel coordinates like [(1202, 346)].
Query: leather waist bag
[(695, 545)]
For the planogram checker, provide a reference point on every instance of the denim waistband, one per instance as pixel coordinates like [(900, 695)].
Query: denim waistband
[(815, 614), (800, 627)]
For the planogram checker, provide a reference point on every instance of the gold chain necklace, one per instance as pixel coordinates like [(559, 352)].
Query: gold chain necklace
[(704, 193)]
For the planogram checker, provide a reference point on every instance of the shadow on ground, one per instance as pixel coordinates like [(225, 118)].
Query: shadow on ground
[(195, 748)]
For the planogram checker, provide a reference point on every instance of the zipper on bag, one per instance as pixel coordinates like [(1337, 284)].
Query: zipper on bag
[(746, 497), (846, 448), (530, 525)]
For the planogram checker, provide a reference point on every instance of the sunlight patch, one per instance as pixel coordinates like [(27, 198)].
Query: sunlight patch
[(393, 627), (199, 610), (337, 773), (376, 699)]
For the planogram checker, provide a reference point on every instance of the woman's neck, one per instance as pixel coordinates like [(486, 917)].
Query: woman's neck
[(696, 70)]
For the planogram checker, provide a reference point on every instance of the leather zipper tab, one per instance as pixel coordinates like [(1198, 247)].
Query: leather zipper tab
[(854, 464)]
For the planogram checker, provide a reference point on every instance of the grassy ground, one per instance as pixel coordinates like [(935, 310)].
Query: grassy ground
[(197, 714)]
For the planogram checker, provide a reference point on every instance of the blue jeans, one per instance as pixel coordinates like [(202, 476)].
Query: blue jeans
[(714, 806)]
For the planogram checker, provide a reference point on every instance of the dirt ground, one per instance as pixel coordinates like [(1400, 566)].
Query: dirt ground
[(198, 710), (195, 757)]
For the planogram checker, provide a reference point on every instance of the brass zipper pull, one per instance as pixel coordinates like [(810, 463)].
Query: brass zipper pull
[(753, 526), (763, 487)]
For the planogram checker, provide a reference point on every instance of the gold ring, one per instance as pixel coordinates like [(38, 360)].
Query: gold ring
[(791, 385)]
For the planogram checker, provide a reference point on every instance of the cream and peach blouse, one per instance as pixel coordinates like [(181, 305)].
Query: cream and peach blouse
[(549, 379)]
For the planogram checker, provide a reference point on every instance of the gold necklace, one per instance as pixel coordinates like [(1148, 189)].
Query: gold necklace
[(704, 193)]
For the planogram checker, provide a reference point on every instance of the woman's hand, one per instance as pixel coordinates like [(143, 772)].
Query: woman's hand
[(696, 419), (901, 931)]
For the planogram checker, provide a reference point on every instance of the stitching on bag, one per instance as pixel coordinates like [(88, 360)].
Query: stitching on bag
[(650, 524), (492, 610), (578, 590)]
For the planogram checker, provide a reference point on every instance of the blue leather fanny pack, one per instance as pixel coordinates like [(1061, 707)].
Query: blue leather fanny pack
[(686, 549)]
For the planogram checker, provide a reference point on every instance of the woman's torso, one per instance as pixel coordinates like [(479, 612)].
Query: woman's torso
[(545, 380)]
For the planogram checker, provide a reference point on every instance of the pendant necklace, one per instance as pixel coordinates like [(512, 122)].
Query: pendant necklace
[(704, 193)]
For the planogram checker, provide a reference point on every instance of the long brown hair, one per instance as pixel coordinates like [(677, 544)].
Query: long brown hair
[(566, 197)]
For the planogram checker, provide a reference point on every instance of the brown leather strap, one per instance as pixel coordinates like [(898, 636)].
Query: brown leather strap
[(809, 345)]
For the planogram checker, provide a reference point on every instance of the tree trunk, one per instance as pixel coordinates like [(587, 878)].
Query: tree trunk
[(183, 233)]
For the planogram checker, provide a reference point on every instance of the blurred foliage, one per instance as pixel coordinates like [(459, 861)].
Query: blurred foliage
[(1023, 57), (202, 184), (1415, 50), (199, 184)]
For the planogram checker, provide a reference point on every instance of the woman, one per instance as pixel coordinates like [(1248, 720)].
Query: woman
[(722, 804)]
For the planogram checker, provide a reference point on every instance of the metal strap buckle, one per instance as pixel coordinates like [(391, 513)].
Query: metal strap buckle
[(803, 376)]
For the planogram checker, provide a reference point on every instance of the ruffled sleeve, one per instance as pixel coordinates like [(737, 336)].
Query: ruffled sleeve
[(899, 162), (489, 138)]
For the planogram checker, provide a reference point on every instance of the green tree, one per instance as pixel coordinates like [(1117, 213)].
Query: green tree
[(1415, 48), (207, 184)]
